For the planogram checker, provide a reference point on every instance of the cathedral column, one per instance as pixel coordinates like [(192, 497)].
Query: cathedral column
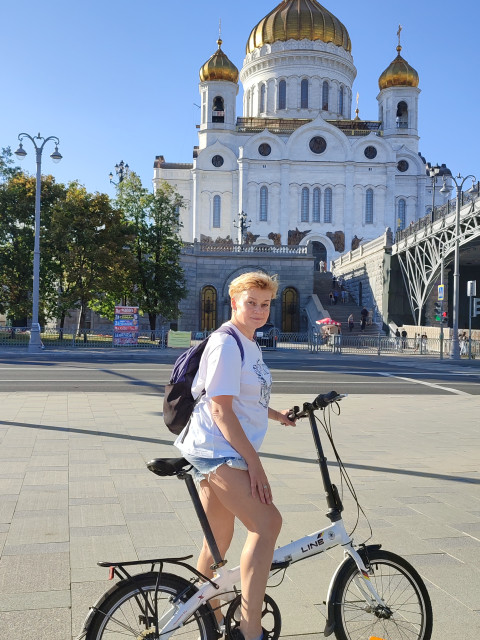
[(390, 219), (195, 208), (348, 207), (284, 211)]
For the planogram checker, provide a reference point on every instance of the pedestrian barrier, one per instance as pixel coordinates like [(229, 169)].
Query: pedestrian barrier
[(313, 341)]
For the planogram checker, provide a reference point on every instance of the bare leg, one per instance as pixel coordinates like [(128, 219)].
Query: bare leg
[(263, 522), (221, 521)]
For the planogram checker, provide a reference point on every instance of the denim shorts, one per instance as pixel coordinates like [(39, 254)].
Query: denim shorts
[(202, 467)]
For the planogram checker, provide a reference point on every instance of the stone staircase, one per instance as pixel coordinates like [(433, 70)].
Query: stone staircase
[(340, 311)]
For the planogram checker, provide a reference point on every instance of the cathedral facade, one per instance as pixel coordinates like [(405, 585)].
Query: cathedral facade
[(296, 169)]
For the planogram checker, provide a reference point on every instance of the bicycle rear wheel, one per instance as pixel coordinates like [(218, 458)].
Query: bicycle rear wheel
[(129, 611), (409, 614)]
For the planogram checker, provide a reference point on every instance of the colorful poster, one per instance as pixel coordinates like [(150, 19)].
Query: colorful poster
[(125, 326)]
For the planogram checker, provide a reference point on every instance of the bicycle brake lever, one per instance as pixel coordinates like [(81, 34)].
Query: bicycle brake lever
[(292, 413)]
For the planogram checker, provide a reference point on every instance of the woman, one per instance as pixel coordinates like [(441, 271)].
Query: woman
[(227, 428)]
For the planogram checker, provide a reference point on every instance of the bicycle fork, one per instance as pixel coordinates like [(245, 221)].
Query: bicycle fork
[(362, 582)]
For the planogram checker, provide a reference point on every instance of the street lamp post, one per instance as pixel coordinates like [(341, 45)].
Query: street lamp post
[(39, 143), (459, 182), (243, 224), (434, 172), (121, 169)]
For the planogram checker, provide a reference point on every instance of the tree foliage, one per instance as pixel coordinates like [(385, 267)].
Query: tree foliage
[(158, 282), (17, 223), (87, 245)]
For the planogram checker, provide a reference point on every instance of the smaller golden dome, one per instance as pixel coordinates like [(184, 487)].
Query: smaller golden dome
[(398, 74), (219, 67)]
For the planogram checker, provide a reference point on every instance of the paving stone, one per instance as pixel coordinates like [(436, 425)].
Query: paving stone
[(36, 548), (37, 624), (35, 572), (35, 600), (38, 500), (33, 527)]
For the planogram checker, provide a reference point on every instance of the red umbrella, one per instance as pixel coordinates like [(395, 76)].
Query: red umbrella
[(327, 321)]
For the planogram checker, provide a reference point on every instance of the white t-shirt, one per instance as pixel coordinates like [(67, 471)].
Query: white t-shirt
[(222, 373)]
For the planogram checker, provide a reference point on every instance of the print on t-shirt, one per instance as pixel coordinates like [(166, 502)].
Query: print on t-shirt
[(265, 380)]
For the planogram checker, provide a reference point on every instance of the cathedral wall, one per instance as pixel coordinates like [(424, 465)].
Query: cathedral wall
[(219, 269)]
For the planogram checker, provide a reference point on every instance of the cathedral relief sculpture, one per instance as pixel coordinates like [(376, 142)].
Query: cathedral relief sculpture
[(296, 236), (219, 241), (276, 237), (338, 239), (356, 242)]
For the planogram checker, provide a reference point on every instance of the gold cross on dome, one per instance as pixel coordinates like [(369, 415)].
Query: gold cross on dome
[(398, 33)]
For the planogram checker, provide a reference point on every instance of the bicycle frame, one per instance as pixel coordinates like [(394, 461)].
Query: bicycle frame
[(313, 544)]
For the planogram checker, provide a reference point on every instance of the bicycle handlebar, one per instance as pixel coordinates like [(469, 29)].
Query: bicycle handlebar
[(321, 402)]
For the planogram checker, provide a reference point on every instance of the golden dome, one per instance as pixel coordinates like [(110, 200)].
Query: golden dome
[(219, 67), (398, 74), (299, 20)]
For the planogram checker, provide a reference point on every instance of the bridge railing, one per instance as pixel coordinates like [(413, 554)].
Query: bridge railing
[(438, 213)]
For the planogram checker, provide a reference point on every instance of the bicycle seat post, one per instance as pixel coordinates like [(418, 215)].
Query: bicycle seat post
[(202, 517)]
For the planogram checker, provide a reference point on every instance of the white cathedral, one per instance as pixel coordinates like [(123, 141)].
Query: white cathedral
[(295, 167)]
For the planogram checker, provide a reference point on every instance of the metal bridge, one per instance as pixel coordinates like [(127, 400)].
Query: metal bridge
[(422, 246)]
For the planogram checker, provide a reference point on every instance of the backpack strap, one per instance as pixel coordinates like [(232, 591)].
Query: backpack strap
[(231, 332)]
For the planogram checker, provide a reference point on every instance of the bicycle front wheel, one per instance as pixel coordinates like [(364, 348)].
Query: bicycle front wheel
[(408, 615), (130, 611)]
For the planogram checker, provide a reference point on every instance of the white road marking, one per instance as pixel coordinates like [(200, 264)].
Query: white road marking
[(427, 384)]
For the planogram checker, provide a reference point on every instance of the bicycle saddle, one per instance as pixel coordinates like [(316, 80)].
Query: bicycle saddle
[(167, 466)]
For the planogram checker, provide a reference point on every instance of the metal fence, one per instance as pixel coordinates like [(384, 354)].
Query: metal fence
[(312, 341)]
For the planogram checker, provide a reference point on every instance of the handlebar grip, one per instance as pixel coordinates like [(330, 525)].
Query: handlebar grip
[(320, 402), (293, 413)]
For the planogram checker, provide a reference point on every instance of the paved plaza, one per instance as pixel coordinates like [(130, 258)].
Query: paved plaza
[(74, 489)]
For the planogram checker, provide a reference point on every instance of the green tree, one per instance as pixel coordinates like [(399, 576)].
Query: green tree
[(88, 246), (7, 168), (158, 282), (17, 220)]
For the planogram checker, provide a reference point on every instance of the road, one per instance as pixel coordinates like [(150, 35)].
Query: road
[(293, 371)]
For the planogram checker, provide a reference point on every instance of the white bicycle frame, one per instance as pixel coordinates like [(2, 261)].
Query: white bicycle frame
[(224, 579)]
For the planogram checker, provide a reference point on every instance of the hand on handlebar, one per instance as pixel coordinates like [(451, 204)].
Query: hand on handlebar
[(287, 420), (321, 402)]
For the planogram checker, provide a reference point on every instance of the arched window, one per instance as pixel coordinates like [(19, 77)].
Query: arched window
[(263, 204), (208, 319), (369, 207), (262, 98), (217, 211), (402, 115), (316, 205), (218, 114), (325, 91), (341, 95), (401, 214), (327, 205), (304, 94), (282, 94), (305, 205), (290, 310)]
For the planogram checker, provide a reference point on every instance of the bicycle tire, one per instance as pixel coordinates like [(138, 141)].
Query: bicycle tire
[(121, 616), (400, 587)]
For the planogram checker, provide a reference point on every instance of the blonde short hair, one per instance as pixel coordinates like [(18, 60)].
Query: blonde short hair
[(253, 280)]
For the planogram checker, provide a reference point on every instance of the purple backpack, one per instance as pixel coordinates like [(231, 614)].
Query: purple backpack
[(178, 402)]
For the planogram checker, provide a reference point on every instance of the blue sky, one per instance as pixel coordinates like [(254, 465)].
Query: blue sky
[(119, 80)]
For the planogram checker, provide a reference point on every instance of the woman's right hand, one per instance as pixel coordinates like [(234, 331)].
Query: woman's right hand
[(259, 485)]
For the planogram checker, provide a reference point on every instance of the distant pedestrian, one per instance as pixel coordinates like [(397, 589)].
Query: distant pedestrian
[(404, 339), (424, 343), (364, 316), (321, 265), (463, 343), (334, 282), (397, 340), (416, 342), (335, 297), (344, 296), (351, 322), (331, 296)]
